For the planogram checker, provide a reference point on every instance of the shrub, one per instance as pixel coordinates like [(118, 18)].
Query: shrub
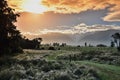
[(63, 76), (5, 75), (58, 48), (101, 45), (78, 72), (42, 48), (51, 66), (51, 48)]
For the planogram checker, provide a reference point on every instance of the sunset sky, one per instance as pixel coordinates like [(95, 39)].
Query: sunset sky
[(66, 17)]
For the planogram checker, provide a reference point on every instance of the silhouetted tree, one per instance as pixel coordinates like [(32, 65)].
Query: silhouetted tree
[(101, 45), (51, 48), (30, 44), (90, 45), (63, 44), (112, 44), (116, 38), (56, 44), (78, 46), (9, 35), (37, 42), (85, 44)]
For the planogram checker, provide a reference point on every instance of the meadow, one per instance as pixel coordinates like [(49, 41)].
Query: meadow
[(23, 57), (63, 63)]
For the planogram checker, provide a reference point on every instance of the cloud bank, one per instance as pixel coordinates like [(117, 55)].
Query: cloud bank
[(78, 29), (77, 6), (77, 34)]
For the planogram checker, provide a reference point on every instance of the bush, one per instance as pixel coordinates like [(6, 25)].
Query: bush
[(42, 48), (11, 75), (44, 70), (51, 66), (78, 72), (101, 45), (118, 48), (5, 75), (51, 48), (63, 76), (58, 48)]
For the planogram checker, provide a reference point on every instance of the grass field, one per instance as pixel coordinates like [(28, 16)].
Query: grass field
[(103, 70), (106, 72)]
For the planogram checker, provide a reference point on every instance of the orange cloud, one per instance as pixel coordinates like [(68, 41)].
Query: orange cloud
[(76, 6), (16, 4), (114, 16)]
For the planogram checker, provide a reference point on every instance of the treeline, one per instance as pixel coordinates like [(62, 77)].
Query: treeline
[(9, 35), (30, 44)]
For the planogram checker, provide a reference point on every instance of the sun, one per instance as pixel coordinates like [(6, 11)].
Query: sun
[(33, 6)]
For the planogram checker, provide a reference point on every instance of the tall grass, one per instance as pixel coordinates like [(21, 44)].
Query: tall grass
[(104, 49)]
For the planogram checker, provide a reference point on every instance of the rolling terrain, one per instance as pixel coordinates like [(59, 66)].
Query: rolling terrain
[(64, 64)]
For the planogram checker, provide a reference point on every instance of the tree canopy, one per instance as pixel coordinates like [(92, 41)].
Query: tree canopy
[(9, 35), (116, 38)]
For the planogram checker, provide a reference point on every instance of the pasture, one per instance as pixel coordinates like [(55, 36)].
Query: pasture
[(68, 63)]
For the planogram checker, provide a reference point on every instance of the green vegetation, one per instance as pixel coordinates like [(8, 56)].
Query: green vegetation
[(84, 49), (105, 71), (63, 64), (41, 69)]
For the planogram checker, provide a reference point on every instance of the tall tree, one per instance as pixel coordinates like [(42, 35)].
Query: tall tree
[(9, 35), (37, 42), (85, 44), (116, 38)]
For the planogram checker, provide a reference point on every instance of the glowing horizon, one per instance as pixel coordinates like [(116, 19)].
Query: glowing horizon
[(39, 17)]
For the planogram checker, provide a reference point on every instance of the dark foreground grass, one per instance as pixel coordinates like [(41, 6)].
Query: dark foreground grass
[(39, 69), (105, 71), (53, 65)]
